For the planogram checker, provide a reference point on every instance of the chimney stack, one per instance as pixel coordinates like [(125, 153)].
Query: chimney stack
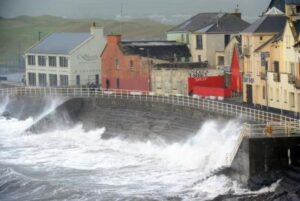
[(113, 39)]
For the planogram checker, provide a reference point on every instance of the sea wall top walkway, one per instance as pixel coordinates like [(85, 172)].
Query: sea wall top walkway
[(281, 124)]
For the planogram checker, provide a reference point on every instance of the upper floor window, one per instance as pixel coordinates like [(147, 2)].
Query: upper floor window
[(42, 60), (52, 61), (131, 64), (261, 38), (117, 64), (276, 66), (199, 42), (63, 61), (182, 37), (298, 9), (226, 40), (31, 60)]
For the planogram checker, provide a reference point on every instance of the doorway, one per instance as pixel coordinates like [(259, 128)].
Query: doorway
[(249, 94)]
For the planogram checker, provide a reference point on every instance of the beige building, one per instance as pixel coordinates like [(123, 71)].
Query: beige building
[(208, 33), (271, 62), (172, 78)]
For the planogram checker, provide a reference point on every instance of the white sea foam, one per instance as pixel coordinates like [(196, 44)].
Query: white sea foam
[(126, 167)]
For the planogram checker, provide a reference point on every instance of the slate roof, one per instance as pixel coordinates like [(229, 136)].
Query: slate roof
[(280, 4), (59, 43), (292, 1), (212, 23), (197, 22), (267, 24), (163, 50)]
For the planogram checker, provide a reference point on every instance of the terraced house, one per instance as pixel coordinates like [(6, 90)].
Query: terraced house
[(65, 59), (271, 60), (208, 33)]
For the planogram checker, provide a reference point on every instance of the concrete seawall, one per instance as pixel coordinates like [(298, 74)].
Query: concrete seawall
[(131, 118)]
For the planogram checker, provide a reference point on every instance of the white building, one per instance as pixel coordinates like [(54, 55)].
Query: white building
[(65, 59)]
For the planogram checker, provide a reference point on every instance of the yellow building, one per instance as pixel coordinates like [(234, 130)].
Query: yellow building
[(271, 61)]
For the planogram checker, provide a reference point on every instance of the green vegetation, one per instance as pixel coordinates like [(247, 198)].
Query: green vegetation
[(19, 34)]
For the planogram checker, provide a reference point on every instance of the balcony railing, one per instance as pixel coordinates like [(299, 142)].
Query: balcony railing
[(276, 77), (291, 79)]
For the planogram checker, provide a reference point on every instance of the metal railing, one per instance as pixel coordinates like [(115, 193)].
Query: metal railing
[(268, 124), (220, 107)]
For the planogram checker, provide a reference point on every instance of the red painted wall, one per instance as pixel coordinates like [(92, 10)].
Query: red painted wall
[(212, 91), (136, 79), (214, 82)]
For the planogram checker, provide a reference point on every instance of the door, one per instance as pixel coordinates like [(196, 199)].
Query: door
[(78, 80), (107, 84), (249, 94)]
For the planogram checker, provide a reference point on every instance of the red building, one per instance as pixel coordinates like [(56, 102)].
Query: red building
[(127, 64)]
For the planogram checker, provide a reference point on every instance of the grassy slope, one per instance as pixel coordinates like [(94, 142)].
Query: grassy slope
[(18, 34)]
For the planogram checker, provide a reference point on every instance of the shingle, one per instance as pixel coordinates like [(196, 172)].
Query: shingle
[(197, 22), (228, 23), (59, 43), (267, 24), (164, 50)]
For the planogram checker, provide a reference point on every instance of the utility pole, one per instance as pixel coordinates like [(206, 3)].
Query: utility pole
[(121, 16)]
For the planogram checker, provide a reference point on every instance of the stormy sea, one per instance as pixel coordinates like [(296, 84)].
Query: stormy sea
[(74, 164)]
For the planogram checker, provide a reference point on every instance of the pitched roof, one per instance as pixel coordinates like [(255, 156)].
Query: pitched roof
[(267, 24), (228, 23), (275, 38), (164, 50), (59, 43), (197, 22), (292, 1), (274, 11), (280, 4)]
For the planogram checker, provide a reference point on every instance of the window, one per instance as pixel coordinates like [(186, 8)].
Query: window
[(42, 80), (276, 66), (221, 60), (271, 94), (97, 80), (53, 80), (292, 99), (187, 39), (264, 92), (64, 80), (117, 64), (131, 65), (63, 61), (298, 9), (226, 40), (52, 61), (199, 58), (182, 37), (261, 38), (107, 84), (31, 60), (118, 83), (42, 60), (31, 79), (78, 80), (277, 95), (199, 44), (292, 68)]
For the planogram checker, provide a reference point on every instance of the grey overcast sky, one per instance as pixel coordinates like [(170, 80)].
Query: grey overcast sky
[(168, 11)]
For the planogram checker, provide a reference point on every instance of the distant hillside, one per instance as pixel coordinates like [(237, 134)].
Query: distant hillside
[(18, 34)]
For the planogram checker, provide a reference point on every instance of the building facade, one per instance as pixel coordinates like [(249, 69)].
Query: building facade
[(172, 78), (208, 33), (65, 59), (127, 64), (272, 67)]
